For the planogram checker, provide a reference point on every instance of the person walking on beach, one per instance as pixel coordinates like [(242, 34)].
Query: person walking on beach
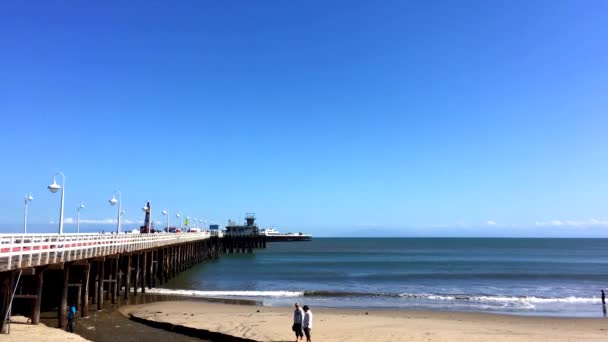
[(603, 298), (71, 315), (298, 315), (307, 323)]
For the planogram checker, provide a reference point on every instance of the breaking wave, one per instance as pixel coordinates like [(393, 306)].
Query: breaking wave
[(197, 293), (432, 297)]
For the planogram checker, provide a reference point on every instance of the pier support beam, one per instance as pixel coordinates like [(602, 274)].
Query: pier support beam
[(100, 285), (128, 277), (63, 303), (39, 282), (78, 287), (115, 284), (144, 273), (158, 271), (84, 311), (95, 267), (136, 282), (151, 262), (6, 291)]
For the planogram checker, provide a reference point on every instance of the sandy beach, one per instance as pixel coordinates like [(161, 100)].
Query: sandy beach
[(259, 323)]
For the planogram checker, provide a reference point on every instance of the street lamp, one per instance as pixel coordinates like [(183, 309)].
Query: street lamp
[(166, 213), (81, 206), (54, 188), (179, 216), (113, 201), (28, 198)]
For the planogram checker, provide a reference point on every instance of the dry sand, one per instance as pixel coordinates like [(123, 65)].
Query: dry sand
[(261, 323), (21, 330)]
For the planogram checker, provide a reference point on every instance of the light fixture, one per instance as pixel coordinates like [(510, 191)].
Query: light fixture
[(54, 188)]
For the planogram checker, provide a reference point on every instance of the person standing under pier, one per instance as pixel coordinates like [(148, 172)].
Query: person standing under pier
[(71, 316)]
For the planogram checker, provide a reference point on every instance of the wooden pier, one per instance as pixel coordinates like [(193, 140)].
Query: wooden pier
[(52, 271)]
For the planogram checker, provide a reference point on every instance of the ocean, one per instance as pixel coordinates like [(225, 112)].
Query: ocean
[(550, 277)]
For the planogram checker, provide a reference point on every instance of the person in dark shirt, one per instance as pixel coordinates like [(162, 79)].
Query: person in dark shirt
[(603, 298), (298, 315)]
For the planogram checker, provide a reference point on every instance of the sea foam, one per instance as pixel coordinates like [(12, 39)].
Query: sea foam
[(197, 293)]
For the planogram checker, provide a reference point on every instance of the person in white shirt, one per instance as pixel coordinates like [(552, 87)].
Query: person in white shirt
[(298, 315), (307, 323)]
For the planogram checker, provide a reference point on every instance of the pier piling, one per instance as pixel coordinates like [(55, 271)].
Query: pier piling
[(38, 300), (63, 304), (128, 276), (84, 311), (100, 282)]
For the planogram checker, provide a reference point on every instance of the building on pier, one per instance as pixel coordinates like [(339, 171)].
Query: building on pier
[(250, 228)]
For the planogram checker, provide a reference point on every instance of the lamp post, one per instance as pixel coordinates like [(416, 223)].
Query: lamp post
[(28, 198), (113, 201), (81, 206), (54, 188), (179, 216), (166, 213)]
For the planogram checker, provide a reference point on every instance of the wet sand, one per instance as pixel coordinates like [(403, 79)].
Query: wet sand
[(258, 323), (109, 325)]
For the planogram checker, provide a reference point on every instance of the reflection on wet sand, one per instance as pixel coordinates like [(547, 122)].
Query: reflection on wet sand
[(109, 325)]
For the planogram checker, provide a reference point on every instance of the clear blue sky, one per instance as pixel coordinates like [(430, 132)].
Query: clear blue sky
[(334, 117)]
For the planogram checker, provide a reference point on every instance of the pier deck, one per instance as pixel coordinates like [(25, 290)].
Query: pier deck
[(30, 250)]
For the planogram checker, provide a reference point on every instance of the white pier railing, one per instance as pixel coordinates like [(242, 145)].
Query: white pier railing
[(29, 250)]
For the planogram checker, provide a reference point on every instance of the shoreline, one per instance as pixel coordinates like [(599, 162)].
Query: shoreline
[(287, 297), (262, 323)]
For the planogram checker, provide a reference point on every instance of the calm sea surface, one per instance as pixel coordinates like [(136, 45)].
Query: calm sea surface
[(560, 277)]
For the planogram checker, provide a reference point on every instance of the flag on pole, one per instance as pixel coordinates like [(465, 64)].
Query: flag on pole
[(187, 221)]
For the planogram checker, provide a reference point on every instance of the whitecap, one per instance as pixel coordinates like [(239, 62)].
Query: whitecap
[(198, 293)]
